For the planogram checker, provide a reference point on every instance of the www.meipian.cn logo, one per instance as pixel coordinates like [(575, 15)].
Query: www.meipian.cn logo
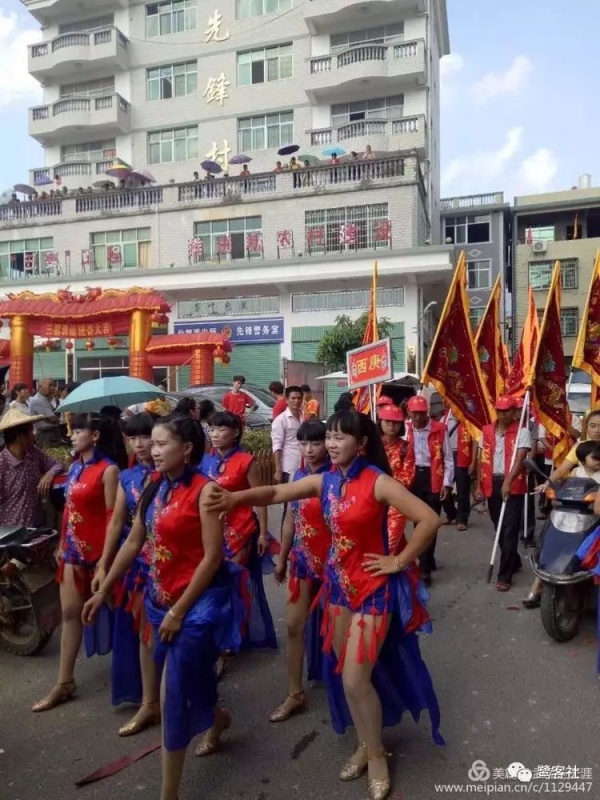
[(479, 772)]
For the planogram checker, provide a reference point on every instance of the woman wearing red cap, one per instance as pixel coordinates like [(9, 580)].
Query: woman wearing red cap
[(501, 478), (401, 456)]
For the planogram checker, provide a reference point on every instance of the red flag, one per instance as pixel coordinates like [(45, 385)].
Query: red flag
[(362, 398), (519, 377), (549, 373), (488, 343), (453, 366), (587, 349)]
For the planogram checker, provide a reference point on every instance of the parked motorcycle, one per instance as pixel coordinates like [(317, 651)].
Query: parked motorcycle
[(29, 594), (568, 590)]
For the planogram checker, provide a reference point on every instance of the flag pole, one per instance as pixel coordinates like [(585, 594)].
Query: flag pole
[(524, 410)]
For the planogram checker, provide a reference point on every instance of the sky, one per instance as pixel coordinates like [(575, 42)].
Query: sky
[(518, 95)]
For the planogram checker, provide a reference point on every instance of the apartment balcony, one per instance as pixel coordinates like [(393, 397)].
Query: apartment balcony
[(349, 176), (76, 119), (471, 201), (325, 16), (403, 134), (385, 68), (71, 172), (79, 52), (45, 11)]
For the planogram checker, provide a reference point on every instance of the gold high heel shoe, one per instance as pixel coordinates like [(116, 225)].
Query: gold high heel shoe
[(283, 713), (147, 715), (379, 789), (61, 693), (210, 745), (351, 771)]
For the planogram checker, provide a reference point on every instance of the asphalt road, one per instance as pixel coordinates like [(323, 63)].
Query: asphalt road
[(507, 694)]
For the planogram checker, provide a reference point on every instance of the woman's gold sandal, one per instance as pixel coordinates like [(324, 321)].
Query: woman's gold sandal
[(352, 771), (379, 789), (287, 709), (210, 745), (61, 693), (147, 715)]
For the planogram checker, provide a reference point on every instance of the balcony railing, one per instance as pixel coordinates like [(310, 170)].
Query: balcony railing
[(227, 188), (472, 201), (15, 212), (368, 52), (118, 200), (65, 40), (365, 128), (76, 104)]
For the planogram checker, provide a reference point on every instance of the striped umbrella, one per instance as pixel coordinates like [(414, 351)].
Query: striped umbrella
[(119, 170)]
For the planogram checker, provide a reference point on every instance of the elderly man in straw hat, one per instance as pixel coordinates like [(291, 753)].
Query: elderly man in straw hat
[(26, 472)]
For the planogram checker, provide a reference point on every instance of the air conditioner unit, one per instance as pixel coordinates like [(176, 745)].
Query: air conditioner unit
[(539, 247)]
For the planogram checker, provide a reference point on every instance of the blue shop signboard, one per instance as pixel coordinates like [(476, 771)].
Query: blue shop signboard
[(254, 330)]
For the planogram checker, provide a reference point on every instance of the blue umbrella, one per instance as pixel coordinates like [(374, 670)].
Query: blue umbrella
[(212, 166), (288, 149), (334, 148), (240, 159), (121, 392)]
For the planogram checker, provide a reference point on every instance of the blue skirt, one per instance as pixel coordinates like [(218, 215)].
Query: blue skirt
[(210, 627), (260, 629), (126, 674), (400, 675)]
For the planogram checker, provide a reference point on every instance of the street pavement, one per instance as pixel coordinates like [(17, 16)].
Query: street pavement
[(507, 694)]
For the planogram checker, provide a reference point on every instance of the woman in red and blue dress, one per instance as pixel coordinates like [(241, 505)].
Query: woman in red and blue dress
[(246, 534), (90, 493), (400, 454), (134, 678), (305, 543), (191, 602), (374, 670)]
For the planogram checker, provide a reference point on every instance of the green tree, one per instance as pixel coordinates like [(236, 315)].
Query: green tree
[(346, 334)]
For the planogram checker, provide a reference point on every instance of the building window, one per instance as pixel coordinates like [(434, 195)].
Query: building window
[(179, 144), (322, 228), (479, 274), (267, 131), (379, 108), (231, 231), (127, 249), (380, 35), (176, 16), (89, 151), (540, 274), (108, 367), (99, 88), (344, 301), (87, 25), (258, 8), (266, 64), (544, 233), (174, 80), (569, 321), (230, 307), (469, 230), (475, 315), (13, 256)]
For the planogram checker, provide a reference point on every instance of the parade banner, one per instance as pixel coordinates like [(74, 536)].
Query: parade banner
[(549, 373), (489, 346), (587, 349), (363, 399), (369, 364), (520, 376), (453, 365)]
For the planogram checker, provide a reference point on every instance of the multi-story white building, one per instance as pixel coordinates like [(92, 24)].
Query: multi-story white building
[(166, 85)]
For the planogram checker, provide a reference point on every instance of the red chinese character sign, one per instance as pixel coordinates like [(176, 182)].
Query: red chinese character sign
[(369, 364), (285, 241), (113, 254), (195, 250), (224, 245), (347, 234), (254, 244)]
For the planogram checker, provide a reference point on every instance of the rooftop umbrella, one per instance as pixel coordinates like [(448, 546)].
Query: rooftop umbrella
[(288, 149), (212, 166), (142, 175), (118, 169), (312, 160), (120, 391), (23, 188), (240, 159), (334, 149)]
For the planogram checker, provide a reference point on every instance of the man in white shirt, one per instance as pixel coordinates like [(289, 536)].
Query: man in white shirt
[(434, 474), (284, 438)]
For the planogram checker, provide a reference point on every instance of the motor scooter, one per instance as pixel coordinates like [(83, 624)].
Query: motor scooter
[(29, 595), (568, 590)]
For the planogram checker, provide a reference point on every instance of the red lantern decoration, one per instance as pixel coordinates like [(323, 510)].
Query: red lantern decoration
[(89, 345), (69, 346), (226, 359), (219, 354), (113, 342)]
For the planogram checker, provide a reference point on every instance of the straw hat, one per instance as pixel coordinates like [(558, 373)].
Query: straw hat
[(14, 417)]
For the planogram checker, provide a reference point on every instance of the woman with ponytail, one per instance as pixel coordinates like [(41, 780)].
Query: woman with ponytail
[(90, 493), (373, 667), (134, 678), (190, 600)]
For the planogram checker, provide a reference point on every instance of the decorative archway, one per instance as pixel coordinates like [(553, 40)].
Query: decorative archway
[(200, 350)]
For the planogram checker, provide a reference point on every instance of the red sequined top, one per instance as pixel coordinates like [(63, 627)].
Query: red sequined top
[(174, 535), (84, 518)]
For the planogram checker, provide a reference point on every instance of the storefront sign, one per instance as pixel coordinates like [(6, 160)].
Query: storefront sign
[(369, 364), (256, 330)]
